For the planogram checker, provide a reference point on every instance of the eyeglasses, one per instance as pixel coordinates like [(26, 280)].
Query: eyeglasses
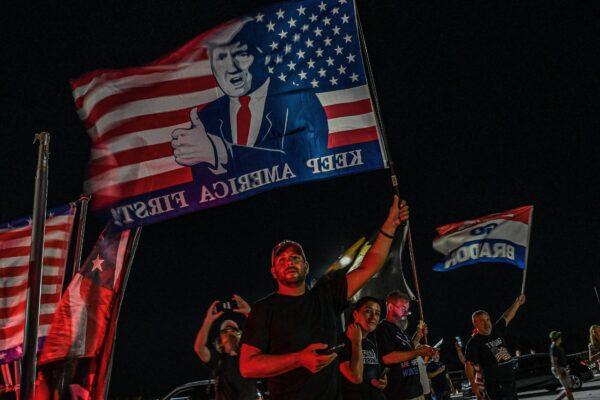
[(229, 329), (400, 307)]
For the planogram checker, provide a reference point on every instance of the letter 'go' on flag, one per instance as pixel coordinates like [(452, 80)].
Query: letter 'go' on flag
[(15, 247), (495, 238), (273, 98)]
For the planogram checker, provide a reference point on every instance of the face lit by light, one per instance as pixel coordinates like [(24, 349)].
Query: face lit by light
[(483, 324), (289, 268), (230, 337), (398, 309), (231, 67), (368, 316)]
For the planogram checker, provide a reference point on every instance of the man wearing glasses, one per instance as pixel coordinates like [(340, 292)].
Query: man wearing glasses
[(288, 329), (398, 352), (223, 357)]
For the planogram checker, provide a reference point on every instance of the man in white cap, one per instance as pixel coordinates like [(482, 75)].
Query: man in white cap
[(251, 121), (287, 330)]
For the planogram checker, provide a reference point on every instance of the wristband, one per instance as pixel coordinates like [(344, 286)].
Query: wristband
[(387, 235)]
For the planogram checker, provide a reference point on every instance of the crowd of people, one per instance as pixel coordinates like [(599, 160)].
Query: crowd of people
[(292, 339)]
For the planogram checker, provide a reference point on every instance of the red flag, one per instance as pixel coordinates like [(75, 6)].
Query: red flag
[(85, 320), (15, 246)]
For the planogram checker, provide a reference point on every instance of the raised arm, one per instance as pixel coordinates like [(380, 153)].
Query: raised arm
[(202, 336), (255, 364), (353, 369), (512, 310), (470, 371), (377, 254)]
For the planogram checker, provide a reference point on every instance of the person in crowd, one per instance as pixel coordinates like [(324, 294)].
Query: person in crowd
[(223, 357), (398, 351), (476, 370), (440, 380), (287, 332), (419, 335), (594, 345), (360, 368), (560, 368), (487, 348)]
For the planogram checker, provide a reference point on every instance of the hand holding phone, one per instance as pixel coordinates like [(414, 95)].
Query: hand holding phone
[(331, 349)]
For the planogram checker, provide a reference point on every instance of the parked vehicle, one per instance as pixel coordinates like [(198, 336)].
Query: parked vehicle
[(198, 390), (533, 372)]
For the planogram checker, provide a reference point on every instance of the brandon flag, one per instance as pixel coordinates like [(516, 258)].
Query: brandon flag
[(15, 246), (271, 99), (496, 238)]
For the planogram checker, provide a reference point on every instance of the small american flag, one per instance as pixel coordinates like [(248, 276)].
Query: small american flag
[(312, 46), (15, 246)]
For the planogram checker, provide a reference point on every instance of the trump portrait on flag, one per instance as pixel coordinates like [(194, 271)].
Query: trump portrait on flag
[(257, 116)]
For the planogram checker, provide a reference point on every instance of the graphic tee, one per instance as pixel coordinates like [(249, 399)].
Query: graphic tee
[(404, 380), (559, 353), (439, 383), (371, 370), (230, 385), (492, 356), (281, 324)]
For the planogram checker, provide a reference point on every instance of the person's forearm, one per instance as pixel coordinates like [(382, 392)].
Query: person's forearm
[(268, 365), (200, 342), (461, 356), (396, 357), (594, 357), (356, 361), (511, 312), (471, 375), (434, 373)]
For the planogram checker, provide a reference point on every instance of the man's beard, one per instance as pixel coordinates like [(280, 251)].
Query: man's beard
[(293, 282)]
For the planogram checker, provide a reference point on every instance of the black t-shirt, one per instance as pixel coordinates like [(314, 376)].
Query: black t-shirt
[(404, 381), (491, 354), (371, 370), (559, 353), (285, 324), (439, 383), (230, 385)]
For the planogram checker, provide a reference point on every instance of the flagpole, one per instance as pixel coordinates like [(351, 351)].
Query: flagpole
[(103, 378), (386, 148), (84, 199), (527, 252), (36, 257)]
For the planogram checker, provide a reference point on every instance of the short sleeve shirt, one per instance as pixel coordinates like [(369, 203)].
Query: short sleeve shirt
[(371, 370), (281, 324), (230, 385), (491, 354), (559, 353), (404, 380)]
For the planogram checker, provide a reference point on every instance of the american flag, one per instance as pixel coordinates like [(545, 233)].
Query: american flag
[(15, 245), (130, 113)]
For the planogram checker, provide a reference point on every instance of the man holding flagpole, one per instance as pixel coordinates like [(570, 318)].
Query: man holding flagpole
[(288, 333), (487, 349)]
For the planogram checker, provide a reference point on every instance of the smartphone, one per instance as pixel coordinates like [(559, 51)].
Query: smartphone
[(383, 373), (226, 306), (459, 341), (330, 349)]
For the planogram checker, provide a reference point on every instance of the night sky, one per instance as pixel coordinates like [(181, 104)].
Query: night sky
[(488, 106)]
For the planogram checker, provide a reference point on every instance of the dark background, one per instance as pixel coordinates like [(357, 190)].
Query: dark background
[(488, 106)]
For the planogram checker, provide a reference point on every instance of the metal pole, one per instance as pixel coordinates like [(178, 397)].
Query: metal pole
[(83, 206), (103, 379), (394, 178), (36, 257), (527, 252)]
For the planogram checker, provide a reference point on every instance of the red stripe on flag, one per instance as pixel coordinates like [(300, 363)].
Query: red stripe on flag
[(10, 312), (145, 122), (354, 136), (21, 233), (11, 331), (114, 193), (346, 109), (129, 157), (159, 89)]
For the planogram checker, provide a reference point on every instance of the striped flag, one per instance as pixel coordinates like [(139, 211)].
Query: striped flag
[(270, 99), (15, 245), (496, 238)]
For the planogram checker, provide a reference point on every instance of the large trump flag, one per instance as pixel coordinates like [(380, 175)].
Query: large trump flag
[(273, 98), (495, 238)]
